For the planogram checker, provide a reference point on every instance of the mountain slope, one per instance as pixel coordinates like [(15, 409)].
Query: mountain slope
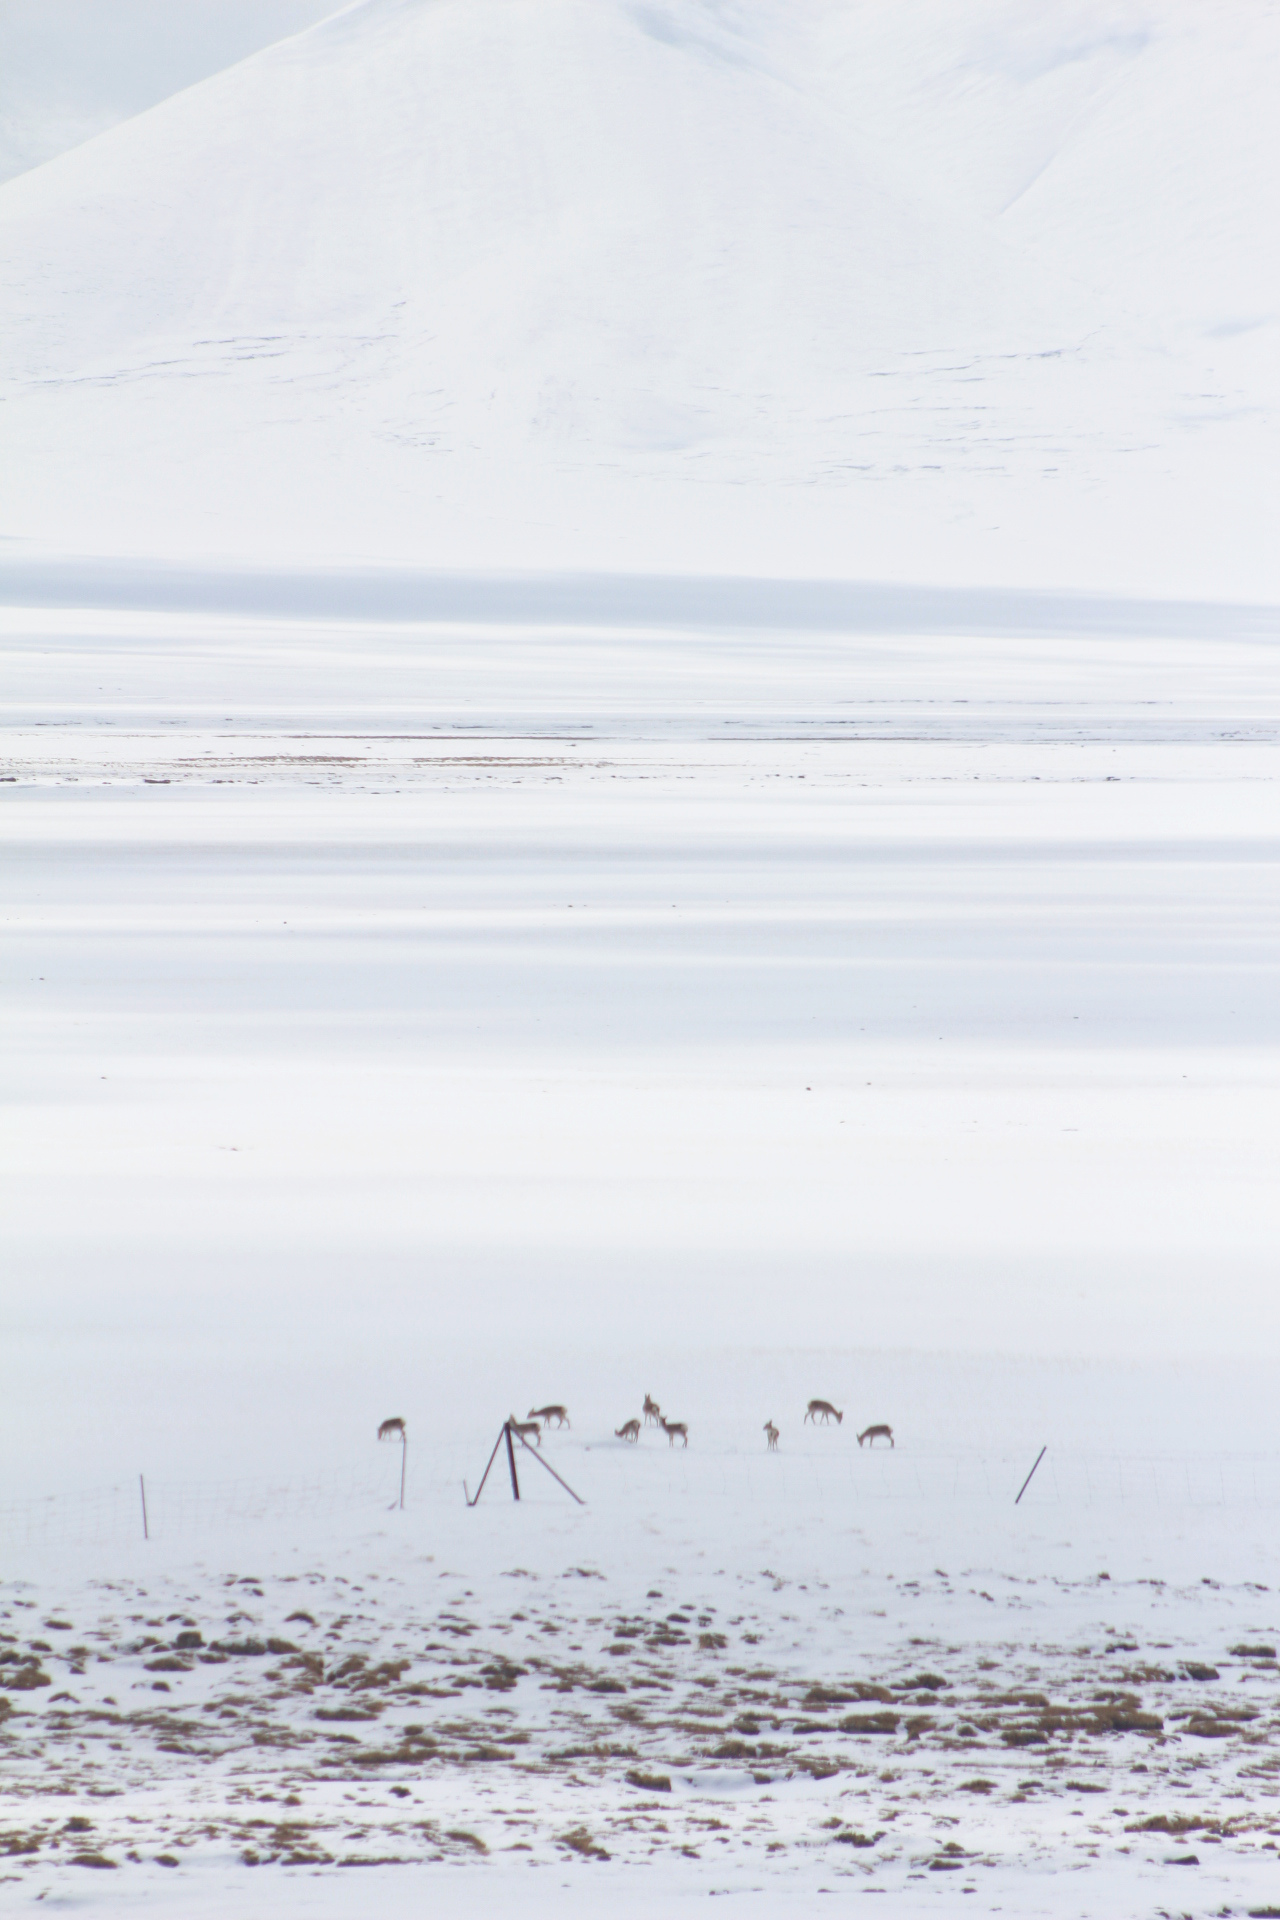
[(590, 283)]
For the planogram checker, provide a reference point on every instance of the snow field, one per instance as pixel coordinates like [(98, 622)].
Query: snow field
[(439, 1015), (583, 976), (668, 1692)]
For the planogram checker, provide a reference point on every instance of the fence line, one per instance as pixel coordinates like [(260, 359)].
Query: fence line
[(187, 1508), (176, 1508)]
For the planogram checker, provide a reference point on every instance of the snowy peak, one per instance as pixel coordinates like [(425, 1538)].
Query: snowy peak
[(772, 266), (594, 191)]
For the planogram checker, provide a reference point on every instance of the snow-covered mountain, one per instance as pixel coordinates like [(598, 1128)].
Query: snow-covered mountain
[(755, 285)]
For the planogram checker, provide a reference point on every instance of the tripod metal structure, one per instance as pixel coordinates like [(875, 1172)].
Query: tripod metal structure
[(505, 1433)]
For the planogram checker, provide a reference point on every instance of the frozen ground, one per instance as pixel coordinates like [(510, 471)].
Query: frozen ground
[(435, 997), (763, 1681)]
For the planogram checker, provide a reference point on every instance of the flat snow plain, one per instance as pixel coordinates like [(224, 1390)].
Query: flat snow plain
[(435, 997)]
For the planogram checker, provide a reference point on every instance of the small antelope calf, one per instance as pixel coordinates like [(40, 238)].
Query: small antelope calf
[(525, 1427), (547, 1414), (772, 1433), (823, 1409), (876, 1433), (392, 1430), (630, 1430), (673, 1427), (652, 1412)]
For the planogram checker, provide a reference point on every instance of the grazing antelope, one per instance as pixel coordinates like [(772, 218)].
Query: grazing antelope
[(523, 1427), (630, 1430), (772, 1432), (392, 1430), (547, 1414), (673, 1427), (876, 1433), (823, 1409), (652, 1412)]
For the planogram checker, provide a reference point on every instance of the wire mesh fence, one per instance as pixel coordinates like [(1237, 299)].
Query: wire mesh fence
[(177, 1509), (1064, 1478), (1069, 1477), (182, 1509)]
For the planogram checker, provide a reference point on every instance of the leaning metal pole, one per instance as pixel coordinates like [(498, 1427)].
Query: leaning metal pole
[(550, 1469), (485, 1475), (1027, 1482)]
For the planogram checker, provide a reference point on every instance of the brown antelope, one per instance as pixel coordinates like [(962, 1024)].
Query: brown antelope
[(652, 1412), (630, 1430), (876, 1433), (823, 1409), (772, 1433), (673, 1427), (523, 1427), (547, 1414), (392, 1430)]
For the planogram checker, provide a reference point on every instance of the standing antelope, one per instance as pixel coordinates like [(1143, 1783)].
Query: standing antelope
[(673, 1427), (772, 1433), (391, 1430), (823, 1409), (523, 1427), (652, 1412), (547, 1414), (876, 1433), (630, 1430)]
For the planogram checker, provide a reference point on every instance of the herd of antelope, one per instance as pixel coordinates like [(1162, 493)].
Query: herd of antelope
[(653, 1416), (558, 1416)]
